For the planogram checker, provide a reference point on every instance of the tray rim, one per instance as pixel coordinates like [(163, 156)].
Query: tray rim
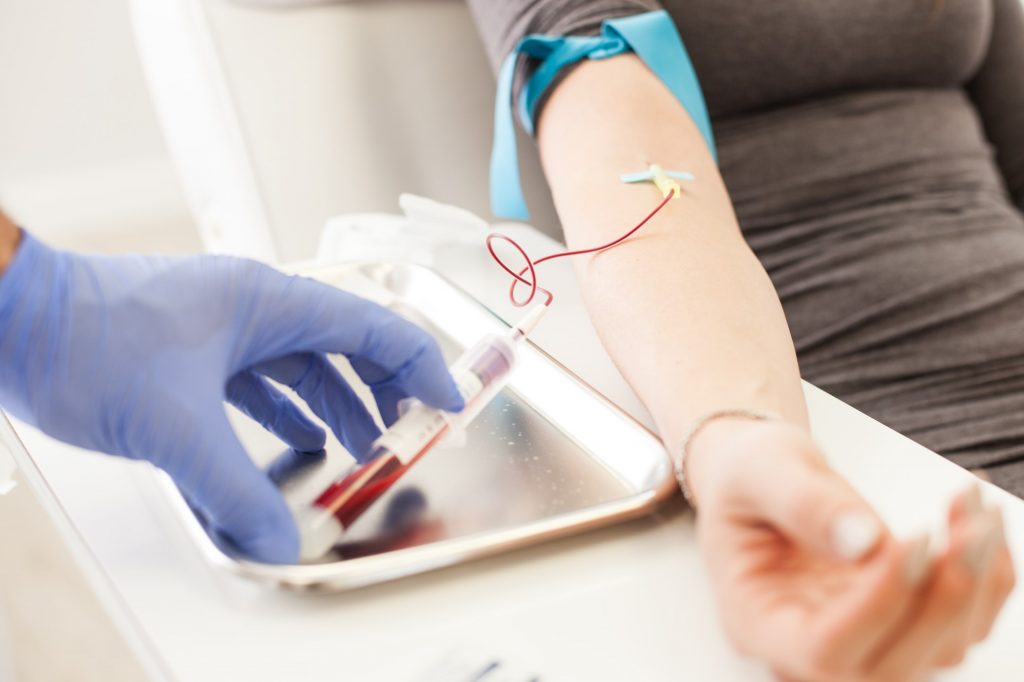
[(354, 574)]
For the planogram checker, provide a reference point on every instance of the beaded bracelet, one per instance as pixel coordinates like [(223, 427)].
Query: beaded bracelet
[(680, 461)]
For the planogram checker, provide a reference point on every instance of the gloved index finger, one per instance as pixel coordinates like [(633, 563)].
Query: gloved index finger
[(399, 354), (319, 383), (305, 315), (254, 396)]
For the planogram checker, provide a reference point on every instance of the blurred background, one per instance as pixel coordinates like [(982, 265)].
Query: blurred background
[(84, 164), (82, 158)]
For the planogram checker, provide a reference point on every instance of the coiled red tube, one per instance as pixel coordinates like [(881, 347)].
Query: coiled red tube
[(531, 265)]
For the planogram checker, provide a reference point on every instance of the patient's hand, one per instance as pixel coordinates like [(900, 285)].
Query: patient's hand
[(809, 580)]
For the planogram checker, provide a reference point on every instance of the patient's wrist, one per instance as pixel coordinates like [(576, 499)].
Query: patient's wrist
[(10, 238), (710, 448), (719, 455)]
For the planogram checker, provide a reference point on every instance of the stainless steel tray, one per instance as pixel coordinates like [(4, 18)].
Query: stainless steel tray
[(549, 457)]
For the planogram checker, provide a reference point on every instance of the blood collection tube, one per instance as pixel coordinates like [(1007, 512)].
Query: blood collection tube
[(480, 373)]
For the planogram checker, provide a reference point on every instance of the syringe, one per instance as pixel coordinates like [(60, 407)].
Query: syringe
[(480, 373)]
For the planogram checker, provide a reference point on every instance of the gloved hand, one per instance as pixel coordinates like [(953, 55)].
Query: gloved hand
[(135, 356)]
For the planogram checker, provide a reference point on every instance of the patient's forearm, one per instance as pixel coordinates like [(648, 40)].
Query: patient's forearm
[(10, 237), (684, 308)]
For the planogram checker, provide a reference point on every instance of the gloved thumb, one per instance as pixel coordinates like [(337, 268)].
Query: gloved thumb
[(816, 508), (235, 499)]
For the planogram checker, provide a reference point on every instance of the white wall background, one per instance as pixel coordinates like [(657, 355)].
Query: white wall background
[(82, 161), (83, 165)]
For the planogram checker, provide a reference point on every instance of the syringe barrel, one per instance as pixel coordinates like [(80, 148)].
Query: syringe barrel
[(480, 373)]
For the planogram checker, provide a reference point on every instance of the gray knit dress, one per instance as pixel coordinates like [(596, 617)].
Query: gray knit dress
[(874, 151)]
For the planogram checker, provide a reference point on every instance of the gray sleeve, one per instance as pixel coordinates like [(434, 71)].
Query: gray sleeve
[(502, 23), (998, 93)]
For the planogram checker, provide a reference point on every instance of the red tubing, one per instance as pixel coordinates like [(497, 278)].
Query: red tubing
[(531, 265)]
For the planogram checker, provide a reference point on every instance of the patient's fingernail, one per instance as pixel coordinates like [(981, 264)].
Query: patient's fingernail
[(918, 561), (982, 544), (854, 534), (972, 500)]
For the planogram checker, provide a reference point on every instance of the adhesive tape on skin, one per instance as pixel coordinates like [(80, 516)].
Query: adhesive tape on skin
[(645, 176), (664, 180)]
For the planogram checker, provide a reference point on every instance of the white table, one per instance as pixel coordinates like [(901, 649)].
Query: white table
[(629, 602)]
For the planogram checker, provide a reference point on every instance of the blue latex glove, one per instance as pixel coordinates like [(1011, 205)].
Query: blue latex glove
[(135, 356)]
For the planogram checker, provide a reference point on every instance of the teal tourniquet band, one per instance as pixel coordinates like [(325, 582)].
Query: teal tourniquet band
[(651, 36)]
